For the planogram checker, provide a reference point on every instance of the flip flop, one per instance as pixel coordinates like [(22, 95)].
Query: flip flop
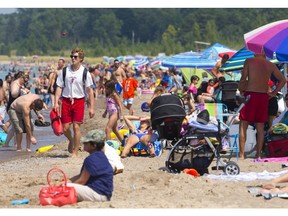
[(41, 123)]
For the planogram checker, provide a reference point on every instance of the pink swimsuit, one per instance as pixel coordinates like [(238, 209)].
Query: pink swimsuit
[(111, 106)]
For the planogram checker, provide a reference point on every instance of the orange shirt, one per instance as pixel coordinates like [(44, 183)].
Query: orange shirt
[(129, 86)]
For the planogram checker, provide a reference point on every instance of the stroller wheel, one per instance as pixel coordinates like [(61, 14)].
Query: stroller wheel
[(165, 169), (231, 168)]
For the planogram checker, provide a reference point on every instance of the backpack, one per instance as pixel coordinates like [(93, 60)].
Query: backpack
[(84, 78)]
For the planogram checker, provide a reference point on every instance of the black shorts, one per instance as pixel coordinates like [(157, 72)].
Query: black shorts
[(273, 107)]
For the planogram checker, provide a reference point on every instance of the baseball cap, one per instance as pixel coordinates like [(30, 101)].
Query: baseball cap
[(96, 135)]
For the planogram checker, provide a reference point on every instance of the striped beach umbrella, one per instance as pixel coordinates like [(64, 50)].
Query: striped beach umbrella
[(140, 62)]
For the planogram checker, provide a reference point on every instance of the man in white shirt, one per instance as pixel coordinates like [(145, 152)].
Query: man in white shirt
[(73, 99)]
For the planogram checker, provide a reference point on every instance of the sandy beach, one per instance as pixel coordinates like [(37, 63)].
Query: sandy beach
[(141, 185)]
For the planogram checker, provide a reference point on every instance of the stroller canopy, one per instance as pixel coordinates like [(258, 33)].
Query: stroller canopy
[(166, 106)]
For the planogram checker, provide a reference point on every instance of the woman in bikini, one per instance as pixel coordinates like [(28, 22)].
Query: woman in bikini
[(139, 126)]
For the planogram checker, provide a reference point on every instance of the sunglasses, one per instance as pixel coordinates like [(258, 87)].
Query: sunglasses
[(73, 56)]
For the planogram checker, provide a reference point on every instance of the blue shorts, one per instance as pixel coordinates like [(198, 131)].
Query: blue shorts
[(128, 101)]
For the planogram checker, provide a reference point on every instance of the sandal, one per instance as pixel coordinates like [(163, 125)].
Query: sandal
[(41, 123)]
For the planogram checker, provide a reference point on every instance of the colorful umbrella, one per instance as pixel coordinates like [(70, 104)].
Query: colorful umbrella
[(157, 61), (140, 62), (271, 38), (236, 62)]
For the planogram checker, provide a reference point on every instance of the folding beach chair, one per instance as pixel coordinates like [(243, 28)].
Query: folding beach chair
[(217, 110)]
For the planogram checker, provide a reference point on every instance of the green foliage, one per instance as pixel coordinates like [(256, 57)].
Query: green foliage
[(127, 31)]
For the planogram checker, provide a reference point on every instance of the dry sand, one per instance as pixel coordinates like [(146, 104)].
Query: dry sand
[(141, 185)]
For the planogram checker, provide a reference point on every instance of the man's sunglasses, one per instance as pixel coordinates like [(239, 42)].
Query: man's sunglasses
[(73, 56)]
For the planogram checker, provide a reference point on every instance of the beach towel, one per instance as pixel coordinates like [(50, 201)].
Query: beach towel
[(207, 127), (279, 159), (251, 176)]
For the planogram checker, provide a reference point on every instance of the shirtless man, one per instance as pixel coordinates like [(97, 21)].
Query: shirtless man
[(254, 82), (218, 65), (20, 116), (118, 75)]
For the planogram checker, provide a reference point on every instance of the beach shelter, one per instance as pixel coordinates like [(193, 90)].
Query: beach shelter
[(215, 50), (188, 72)]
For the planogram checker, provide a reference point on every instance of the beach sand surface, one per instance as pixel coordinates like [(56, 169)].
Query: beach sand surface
[(141, 185)]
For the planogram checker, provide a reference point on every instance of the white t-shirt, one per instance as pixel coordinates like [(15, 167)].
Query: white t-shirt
[(73, 82)]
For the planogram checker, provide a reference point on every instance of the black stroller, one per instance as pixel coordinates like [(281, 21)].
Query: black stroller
[(193, 148)]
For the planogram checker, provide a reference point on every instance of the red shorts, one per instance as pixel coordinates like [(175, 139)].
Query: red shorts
[(72, 113), (256, 109)]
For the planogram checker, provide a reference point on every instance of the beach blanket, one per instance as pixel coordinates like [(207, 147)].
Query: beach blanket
[(251, 176), (279, 159)]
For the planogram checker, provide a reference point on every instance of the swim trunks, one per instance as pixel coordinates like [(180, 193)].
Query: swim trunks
[(256, 109), (73, 112)]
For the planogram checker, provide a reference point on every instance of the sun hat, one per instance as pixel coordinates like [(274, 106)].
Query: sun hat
[(96, 135), (144, 107), (203, 117)]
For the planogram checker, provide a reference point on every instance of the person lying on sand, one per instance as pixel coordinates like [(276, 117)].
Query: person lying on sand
[(271, 185)]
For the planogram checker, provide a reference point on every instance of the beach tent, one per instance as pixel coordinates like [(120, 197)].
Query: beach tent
[(214, 51), (188, 72)]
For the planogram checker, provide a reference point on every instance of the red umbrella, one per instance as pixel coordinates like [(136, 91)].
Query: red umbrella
[(230, 54)]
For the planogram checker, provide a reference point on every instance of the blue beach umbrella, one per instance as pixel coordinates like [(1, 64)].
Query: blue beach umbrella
[(140, 62), (188, 60)]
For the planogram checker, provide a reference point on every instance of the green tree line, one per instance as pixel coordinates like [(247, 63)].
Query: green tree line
[(127, 31)]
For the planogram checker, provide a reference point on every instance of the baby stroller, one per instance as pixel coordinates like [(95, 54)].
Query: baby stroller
[(193, 148)]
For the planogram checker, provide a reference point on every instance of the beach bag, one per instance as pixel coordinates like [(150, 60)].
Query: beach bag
[(277, 148), (56, 122), (57, 195)]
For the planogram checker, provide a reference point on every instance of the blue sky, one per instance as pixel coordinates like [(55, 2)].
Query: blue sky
[(7, 10)]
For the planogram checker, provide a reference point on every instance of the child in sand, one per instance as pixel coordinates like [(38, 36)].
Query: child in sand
[(113, 109)]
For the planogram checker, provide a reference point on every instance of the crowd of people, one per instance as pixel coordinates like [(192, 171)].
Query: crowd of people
[(70, 87)]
